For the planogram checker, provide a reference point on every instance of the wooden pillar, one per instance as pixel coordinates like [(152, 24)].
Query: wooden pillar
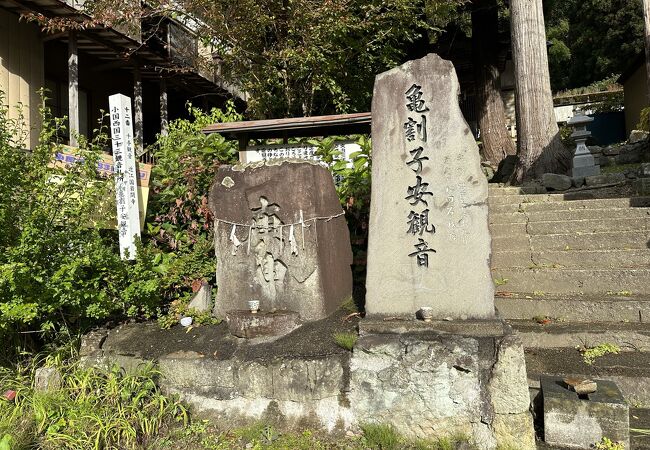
[(73, 88), (646, 20), (243, 144), (138, 136), (164, 115)]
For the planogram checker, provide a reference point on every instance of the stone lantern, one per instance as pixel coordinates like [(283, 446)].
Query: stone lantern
[(584, 164)]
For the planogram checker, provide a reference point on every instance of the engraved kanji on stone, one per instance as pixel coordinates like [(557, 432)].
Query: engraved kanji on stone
[(415, 102), (418, 223), (417, 159), (413, 129), (416, 193), (421, 252)]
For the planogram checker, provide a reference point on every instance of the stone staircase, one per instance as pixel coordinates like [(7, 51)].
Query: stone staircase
[(572, 273)]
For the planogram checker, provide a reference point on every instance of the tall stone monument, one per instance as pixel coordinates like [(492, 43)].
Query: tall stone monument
[(429, 243), (280, 238)]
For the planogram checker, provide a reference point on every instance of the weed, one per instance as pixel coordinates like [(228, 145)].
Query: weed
[(608, 444), (93, 409), (500, 281), (349, 305), (346, 340), (380, 436), (589, 354), (539, 293)]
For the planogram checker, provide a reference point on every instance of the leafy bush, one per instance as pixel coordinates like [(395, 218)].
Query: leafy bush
[(59, 271)]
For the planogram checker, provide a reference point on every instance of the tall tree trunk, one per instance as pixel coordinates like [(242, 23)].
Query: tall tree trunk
[(646, 21), (495, 138), (539, 146)]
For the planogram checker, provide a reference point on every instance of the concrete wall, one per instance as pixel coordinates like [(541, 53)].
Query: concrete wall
[(21, 69), (635, 94)]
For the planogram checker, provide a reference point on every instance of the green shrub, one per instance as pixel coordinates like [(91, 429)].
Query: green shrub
[(380, 436)]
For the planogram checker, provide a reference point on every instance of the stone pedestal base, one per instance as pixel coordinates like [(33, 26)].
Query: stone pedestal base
[(438, 379), (249, 325)]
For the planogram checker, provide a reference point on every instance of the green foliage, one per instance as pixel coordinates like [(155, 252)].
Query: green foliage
[(607, 444), (380, 436), (590, 354), (309, 57), (644, 120), (591, 39), (55, 267), (346, 340), (186, 162), (94, 409)]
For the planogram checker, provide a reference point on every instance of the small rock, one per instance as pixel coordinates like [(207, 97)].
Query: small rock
[(9, 395), (47, 379), (577, 181), (349, 434), (595, 149), (556, 182), (644, 171), (604, 178), (202, 299), (610, 151), (581, 386), (637, 136), (629, 157)]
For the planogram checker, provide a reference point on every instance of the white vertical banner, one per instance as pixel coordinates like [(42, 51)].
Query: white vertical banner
[(126, 187)]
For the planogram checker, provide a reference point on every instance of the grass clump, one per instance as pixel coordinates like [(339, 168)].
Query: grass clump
[(346, 340), (93, 409), (590, 354), (381, 436)]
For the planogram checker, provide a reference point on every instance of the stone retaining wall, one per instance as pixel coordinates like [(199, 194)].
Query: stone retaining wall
[(425, 382)]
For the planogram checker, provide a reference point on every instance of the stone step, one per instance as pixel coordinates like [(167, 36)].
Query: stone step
[(568, 215), (526, 198), (629, 370), (619, 240), (498, 190), (572, 226), (576, 259), (574, 307), (629, 336), (534, 206), (555, 280)]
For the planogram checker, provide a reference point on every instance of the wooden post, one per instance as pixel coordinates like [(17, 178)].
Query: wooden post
[(73, 88), (164, 114), (646, 20), (243, 144), (137, 110)]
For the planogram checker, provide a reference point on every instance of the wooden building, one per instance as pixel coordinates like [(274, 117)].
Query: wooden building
[(160, 66)]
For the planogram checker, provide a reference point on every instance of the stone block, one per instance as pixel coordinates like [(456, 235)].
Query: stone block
[(556, 182), (605, 178), (637, 136), (91, 342), (508, 386), (642, 186), (644, 170), (429, 243), (433, 384), (281, 238), (632, 156), (586, 171), (577, 181), (47, 379), (611, 151), (575, 422), (202, 299), (248, 325)]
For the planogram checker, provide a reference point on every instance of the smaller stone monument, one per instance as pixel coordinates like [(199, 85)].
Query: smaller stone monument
[(281, 238), (584, 164)]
